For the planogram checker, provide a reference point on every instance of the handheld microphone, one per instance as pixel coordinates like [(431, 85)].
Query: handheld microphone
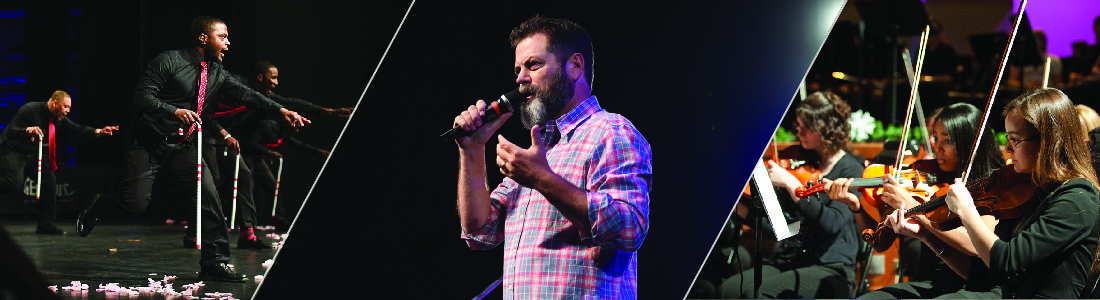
[(492, 112)]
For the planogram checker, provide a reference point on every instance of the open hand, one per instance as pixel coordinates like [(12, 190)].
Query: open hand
[(525, 166)]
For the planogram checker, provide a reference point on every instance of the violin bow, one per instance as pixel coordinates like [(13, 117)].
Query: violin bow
[(912, 99), (993, 94), (1046, 73), (918, 107)]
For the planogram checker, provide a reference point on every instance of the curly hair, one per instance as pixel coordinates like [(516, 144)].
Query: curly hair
[(827, 114)]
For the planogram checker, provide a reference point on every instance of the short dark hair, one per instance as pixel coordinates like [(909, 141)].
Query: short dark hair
[(262, 67), (564, 37), (59, 95), (201, 25)]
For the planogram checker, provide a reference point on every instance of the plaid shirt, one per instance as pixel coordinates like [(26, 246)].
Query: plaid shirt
[(545, 256)]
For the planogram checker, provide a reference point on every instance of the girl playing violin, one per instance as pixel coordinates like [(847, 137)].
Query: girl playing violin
[(952, 134), (825, 247), (1047, 253)]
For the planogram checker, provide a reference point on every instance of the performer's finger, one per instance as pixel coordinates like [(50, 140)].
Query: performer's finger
[(504, 152), (505, 145), (536, 137)]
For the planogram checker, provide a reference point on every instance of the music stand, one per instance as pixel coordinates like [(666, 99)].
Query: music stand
[(1025, 50), (763, 195), (988, 49), (893, 18)]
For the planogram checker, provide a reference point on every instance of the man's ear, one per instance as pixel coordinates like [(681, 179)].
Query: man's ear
[(202, 38), (575, 66)]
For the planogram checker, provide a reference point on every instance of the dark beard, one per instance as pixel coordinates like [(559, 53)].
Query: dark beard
[(212, 54), (547, 100)]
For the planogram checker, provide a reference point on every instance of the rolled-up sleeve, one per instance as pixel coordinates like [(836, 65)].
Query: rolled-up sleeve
[(491, 234), (618, 190)]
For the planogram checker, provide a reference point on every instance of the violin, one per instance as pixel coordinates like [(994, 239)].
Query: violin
[(798, 161), (921, 177), (1004, 194)]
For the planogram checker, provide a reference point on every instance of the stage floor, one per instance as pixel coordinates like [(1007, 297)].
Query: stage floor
[(130, 255)]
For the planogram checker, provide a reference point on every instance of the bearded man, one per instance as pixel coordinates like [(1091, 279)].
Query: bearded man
[(574, 207)]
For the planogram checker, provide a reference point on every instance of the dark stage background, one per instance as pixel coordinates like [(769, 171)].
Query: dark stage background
[(704, 83), (97, 52)]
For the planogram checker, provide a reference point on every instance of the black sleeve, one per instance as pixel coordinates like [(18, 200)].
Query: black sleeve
[(831, 216), (157, 75), (297, 105), (23, 119), (1065, 220), (251, 98), (74, 128)]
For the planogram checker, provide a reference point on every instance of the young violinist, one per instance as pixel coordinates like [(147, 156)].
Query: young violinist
[(1046, 253), (952, 134), (818, 261)]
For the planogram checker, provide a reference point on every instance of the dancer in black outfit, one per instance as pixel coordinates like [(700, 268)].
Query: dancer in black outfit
[(19, 156), (163, 141)]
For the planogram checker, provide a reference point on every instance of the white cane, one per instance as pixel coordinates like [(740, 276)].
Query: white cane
[(38, 183), (198, 189), (278, 178), (236, 176)]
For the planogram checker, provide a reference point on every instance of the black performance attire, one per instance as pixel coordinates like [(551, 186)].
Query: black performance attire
[(819, 261), (19, 155), (1049, 253), (258, 132), (931, 276), (155, 147)]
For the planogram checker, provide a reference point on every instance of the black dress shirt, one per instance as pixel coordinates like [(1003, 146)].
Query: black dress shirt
[(171, 81), (33, 114)]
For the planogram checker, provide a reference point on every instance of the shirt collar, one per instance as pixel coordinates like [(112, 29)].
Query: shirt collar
[(192, 56), (577, 115)]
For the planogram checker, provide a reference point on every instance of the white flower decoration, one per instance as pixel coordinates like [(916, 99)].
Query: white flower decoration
[(862, 125)]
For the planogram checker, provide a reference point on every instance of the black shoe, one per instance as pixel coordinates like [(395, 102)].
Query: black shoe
[(49, 229), (88, 217), (221, 272), (189, 242), (244, 242)]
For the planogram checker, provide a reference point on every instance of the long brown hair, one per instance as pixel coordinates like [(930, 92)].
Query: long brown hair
[(1063, 153), (827, 114)]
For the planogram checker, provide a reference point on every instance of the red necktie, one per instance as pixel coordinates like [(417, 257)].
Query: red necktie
[(53, 149), (202, 95)]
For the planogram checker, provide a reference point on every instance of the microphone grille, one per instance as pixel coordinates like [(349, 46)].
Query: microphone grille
[(508, 97)]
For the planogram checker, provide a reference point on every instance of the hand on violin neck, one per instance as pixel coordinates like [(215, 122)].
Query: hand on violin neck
[(838, 191), (905, 226)]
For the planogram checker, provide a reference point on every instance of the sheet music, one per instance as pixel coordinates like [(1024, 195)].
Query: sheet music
[(771, 204)]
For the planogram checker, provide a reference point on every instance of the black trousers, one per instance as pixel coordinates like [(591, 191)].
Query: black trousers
[(263, 187), (15, 166), (145, 163), (228, 162)]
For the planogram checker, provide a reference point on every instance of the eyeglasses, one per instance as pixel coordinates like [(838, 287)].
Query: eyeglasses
[(1016, 142)]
